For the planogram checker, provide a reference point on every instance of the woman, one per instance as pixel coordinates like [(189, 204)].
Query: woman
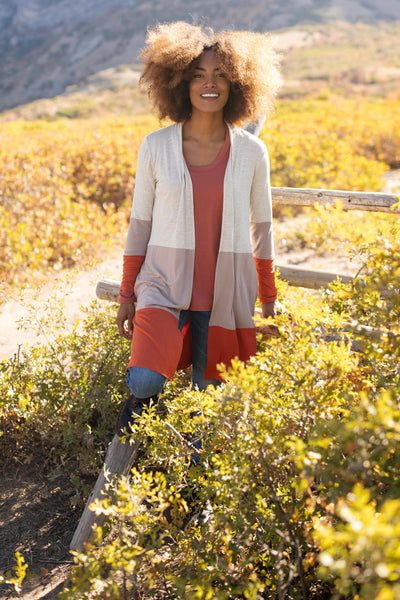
[(200, 243)]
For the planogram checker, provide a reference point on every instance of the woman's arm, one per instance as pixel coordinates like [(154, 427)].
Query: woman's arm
[(261, 233), (137, 239)]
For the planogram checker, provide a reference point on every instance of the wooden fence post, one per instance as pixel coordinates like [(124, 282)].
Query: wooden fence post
[(119, 460)]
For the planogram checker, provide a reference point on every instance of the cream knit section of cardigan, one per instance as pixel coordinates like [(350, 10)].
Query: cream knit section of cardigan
[(163, 207)]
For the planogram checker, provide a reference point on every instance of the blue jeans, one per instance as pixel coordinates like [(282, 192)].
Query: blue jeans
[(145, 383)]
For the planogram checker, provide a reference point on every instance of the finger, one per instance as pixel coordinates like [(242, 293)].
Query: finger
[(130, 326), (121, 329), (268, 330), (128, 330)]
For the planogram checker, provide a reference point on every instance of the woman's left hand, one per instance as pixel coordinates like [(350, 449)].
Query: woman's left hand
[(268, 310)]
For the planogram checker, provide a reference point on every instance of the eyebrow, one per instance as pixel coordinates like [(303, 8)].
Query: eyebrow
[(203, 69)]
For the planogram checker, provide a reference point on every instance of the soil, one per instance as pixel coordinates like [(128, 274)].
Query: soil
[(37, 520)]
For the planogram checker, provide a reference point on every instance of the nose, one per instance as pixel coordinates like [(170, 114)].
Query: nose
[(210, 80)]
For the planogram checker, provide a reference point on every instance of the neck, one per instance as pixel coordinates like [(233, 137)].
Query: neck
[(205, 127)]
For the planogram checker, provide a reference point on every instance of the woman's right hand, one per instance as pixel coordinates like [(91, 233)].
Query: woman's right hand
[(124, 320)]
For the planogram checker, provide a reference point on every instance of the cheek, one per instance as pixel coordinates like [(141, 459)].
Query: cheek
[(227, 88), (192, 87), (227, 92), (191, 94)]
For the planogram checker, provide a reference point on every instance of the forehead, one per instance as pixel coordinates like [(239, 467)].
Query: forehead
[(208, 60)]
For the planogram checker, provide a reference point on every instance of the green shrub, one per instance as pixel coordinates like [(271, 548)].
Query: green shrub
[(298, 471), (62, 396), (17, 574), (258, 541)]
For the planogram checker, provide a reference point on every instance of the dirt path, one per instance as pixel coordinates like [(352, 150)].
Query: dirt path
[(74, 290)]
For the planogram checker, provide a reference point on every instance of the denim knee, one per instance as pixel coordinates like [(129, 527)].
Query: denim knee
[(144, 383)]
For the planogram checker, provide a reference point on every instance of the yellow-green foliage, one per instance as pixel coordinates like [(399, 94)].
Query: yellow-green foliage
[(16, 576), (359, 538), (66, 186), (61, 185), (62, 395), (328, 229), (333, 143), (299, 466)]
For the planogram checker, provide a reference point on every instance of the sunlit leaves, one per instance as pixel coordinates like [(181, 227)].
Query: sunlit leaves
[(65, 192), (16, 576), (66, 186)]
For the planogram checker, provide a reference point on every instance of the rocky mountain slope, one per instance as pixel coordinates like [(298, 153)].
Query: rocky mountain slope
[(47, 45)]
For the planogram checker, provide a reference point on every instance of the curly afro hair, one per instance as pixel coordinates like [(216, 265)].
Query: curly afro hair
[(248, 59)]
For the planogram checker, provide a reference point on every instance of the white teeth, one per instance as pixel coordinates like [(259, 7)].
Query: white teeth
[(209, 95)]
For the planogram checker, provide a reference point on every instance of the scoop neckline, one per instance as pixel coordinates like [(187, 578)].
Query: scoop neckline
[(216, 160)]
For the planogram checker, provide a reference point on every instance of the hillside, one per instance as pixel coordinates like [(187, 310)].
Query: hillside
[(345, 59), (47, 45)]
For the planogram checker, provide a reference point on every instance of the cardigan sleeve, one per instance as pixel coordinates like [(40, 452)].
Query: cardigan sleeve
[(261, 229), (139, 225)]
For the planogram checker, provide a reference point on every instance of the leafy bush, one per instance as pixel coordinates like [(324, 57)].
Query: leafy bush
[(304, 158), (369, 128), (65, 192), (331, 229), (254, 544), (16, 576), (62, 396), (298, 470)]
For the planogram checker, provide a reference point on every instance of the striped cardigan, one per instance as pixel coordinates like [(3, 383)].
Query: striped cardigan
[(161, 241)]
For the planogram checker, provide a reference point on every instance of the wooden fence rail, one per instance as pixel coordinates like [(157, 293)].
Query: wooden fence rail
[(370, 201), (108, 289)]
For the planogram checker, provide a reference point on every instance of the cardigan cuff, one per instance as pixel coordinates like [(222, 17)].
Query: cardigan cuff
[(126, 297), (267, 291)]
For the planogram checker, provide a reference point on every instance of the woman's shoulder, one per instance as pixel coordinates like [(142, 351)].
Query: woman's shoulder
[(164, 134), (158, 144), (247, 141)]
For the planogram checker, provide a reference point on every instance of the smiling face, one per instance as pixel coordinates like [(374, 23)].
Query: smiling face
[(209, 86)]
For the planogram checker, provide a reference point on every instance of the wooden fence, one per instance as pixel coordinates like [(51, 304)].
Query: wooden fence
[(120, 456), (372, 201), (313, 279), (365, 201)]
